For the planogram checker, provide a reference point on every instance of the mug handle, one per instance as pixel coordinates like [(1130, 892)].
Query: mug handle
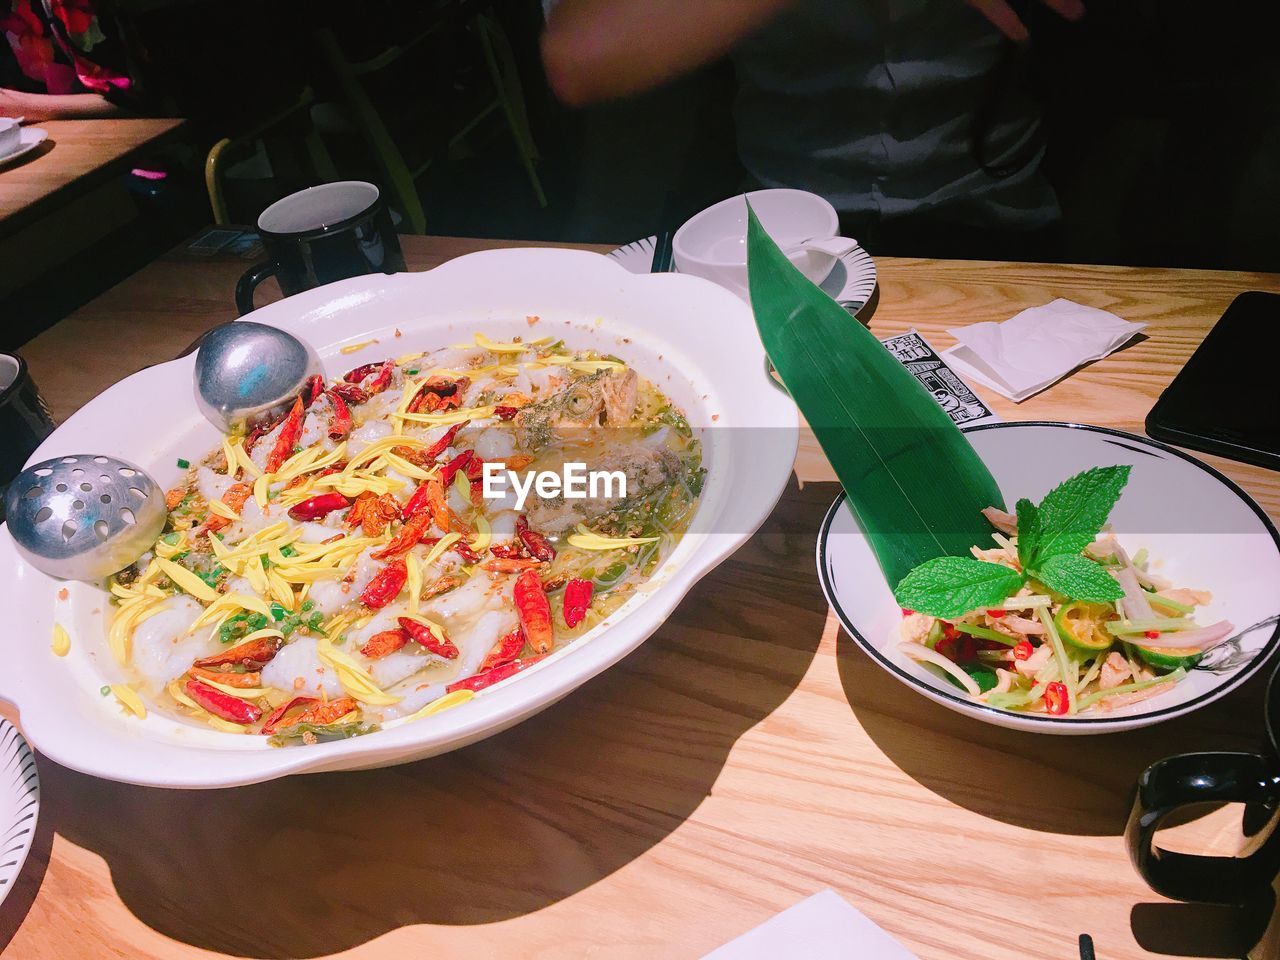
[(248, 282), (1192, 778)]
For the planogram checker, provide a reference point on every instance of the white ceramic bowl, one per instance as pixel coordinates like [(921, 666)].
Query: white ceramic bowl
[(10, 135), (696, 341), (713, 244), (1200, 528)]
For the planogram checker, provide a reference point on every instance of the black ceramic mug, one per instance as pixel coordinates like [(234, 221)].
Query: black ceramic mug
[(24, 419), (1213, 778), (323, 234)]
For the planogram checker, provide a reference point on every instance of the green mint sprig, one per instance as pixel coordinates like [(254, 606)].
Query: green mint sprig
[(1051, 538)]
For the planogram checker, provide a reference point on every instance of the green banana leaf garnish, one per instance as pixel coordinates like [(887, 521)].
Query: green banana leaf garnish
[(914, 482)]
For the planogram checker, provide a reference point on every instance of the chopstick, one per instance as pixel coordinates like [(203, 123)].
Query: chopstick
[(662, 255)]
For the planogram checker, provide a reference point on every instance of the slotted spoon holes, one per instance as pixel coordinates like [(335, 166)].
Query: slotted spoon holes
[(128, 516), (69, 529), (127, 472), (43, 514), (32, 493), (101, 530), (138, 492)]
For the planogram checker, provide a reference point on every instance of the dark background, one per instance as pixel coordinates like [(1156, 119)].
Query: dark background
[(1163, 141)]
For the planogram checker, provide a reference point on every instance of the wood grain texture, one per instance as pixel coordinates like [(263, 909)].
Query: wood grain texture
[(745, 757), (77, 153)]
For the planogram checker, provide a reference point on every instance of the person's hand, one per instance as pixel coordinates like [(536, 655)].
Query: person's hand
[(598, 50), (1007, 22)]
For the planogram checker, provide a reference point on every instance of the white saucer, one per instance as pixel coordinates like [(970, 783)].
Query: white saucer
[(19, 804), (850, 282), (31, 137)]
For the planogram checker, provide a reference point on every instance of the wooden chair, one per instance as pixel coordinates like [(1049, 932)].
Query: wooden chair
[(281, 145), (508, 97)]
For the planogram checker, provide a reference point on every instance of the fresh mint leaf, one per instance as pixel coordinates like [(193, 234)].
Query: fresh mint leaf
[(1078, 577), (1072, 513), (951, 586), (1029, 532)]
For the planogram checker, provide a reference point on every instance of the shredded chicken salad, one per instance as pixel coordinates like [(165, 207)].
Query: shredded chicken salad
[(1056, 618), (347, 568)]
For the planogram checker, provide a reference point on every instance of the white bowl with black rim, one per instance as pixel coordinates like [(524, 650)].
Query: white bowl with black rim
[(1200, 530)]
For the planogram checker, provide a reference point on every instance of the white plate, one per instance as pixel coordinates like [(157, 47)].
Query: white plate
[(693, 339), (851, 281), (1202, 530), (19, 804), (31, 137)]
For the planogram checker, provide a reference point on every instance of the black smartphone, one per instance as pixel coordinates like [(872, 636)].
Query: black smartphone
[(1226, 400)]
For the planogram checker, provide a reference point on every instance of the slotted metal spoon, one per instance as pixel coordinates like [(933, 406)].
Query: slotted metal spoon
[(84, 517)]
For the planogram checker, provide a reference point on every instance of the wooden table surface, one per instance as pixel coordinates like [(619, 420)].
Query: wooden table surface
[(77, 151), (746, 756)]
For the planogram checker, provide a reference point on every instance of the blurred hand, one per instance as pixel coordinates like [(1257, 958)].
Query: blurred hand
[(604, 49), (1006, 21)]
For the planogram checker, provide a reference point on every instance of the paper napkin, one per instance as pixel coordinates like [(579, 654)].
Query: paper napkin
[(823, 927), (1037, 347)]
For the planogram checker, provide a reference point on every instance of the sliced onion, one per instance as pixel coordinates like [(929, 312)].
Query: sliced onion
[(1136, 605), (918, 651), (1204, 638)]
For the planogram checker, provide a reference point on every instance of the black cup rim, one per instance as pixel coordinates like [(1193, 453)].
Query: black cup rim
[(337, 226), (11, 391)]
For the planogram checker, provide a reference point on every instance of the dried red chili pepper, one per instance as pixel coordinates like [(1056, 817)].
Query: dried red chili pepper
[(487, 679), (534, 611), (319, 506), (538, 546), (505, 413), (463, 549), (253, 654), (386, 586), (440, 646), (350, 392), (362, 371), (341, 425), (287, 438), (453, 466), (383, 379), (246, 681), (504, 651), (577, 598), (313, 389), (381, 644), (407, 537), (221, 704), (507, 551), (445, 441), (322, 713), (276, 715), (505, 565)]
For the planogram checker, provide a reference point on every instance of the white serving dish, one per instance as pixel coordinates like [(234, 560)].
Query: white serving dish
[(1202, 530), (695, 340)]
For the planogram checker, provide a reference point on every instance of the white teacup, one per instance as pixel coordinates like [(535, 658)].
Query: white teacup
[(10, 135), (713, 243)]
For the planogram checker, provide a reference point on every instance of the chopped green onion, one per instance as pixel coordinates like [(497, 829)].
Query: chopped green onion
[(183, 464), (986, 633), (308, 605), (1092, 698), (278, 611), (172, 538), (1120, 628), (412, 373), (1156, 600), (105, 690), (1140, 558)]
